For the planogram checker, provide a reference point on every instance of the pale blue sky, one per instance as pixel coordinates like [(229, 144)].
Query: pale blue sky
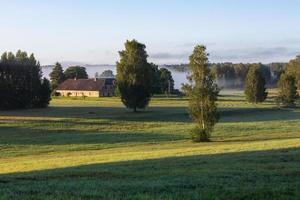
[(93, 31)]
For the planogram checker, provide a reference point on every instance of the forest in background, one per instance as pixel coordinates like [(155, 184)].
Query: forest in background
[(233, 75)]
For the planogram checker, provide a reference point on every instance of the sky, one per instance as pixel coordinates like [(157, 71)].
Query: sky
[(93, 31)]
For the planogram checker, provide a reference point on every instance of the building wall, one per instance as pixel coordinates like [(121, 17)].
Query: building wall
[(108, 91), (77, 93)]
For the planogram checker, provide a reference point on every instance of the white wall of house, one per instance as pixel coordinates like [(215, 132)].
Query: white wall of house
[(78, 93)]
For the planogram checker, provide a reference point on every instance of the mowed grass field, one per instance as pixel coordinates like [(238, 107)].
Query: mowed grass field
[(97, 149)]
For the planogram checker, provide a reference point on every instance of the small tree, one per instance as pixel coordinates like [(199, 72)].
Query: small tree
[(156, 81), (202, 93), (287, 90), (75, 72), (134, 76), (56, 76), (107, 74), (255, 85), (167, 81)]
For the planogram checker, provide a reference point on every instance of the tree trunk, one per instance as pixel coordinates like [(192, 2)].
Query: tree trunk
[(134, 109)]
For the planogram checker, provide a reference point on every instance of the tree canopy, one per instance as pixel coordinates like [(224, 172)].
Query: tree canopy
[(21, 84), (293, 68), (75, 72), (57, 75), (134, 76), (107, 74), (287, 90), (255, 85)]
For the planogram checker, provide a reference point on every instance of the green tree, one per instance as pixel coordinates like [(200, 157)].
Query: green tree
[(44, 94), (255, 85), (75, 72), (287, 90), (241, 71), (134, 76), (20, 81), (107, 74), (166, 81), (293, 68), (156, 80), (202, 93), (56, 76)]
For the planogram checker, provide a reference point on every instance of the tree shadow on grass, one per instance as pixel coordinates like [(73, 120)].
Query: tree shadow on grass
[(39, 136), (156, 114), (151, 114), (272, 174), (258, 114)]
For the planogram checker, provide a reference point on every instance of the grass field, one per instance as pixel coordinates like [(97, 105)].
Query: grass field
[(97, 149)]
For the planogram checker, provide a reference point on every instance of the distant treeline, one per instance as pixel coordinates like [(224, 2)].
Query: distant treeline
[(231, 75)]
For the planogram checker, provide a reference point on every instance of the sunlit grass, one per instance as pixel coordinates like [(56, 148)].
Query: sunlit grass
[(96, 148)]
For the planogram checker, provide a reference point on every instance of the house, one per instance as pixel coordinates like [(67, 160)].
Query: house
[(87, 88)]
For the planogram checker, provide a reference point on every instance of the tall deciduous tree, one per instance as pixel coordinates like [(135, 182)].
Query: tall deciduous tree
[(287, 90), (255, 85), (202, 93), (56, 76), (293, 68), (134, 76), (75, 72)]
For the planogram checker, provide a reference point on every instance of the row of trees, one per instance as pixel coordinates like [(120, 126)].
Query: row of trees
[(135, 79), (229, 75), (58, 75), (255, 89), (21, 82)]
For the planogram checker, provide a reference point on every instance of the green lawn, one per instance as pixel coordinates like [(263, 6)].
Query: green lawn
[(97, 149)]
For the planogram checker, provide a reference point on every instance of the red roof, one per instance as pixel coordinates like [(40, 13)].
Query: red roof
[(82, 84)]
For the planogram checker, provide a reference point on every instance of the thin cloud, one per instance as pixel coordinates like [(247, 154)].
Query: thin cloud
[(169, 55), (274, 54)]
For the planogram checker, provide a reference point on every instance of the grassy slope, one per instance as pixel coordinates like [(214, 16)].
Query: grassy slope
[(97, 149)]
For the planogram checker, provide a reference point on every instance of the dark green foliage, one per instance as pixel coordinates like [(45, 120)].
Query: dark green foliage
[(265, 72), (20, 82), (134, 76), (156, 83), (44, 94), (202, 93), (167, 81), (293, 68), (287, 90), (163, 82), (255, 85), (75, 72), (56, 76), (107, 74)]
